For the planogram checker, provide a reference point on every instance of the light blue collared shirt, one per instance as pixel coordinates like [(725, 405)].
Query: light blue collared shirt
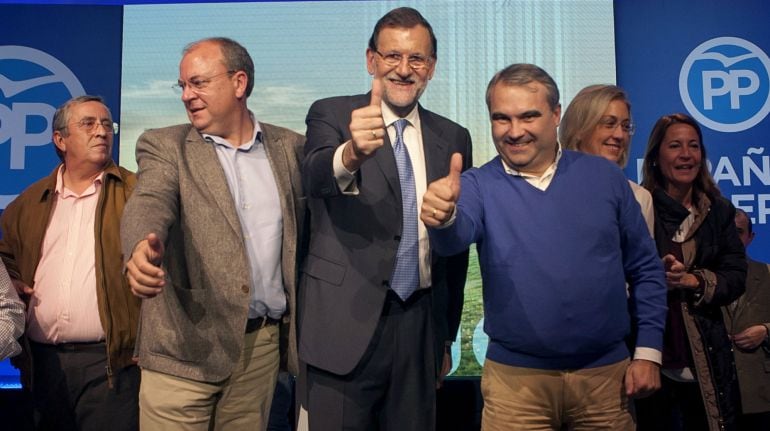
[(255, 195)]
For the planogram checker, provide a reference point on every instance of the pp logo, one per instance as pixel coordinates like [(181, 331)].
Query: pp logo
[(725, 84), (32, 85)]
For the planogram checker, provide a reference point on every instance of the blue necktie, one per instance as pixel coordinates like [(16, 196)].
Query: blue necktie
[(406, 274)]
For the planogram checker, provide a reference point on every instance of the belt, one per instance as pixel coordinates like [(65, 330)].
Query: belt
[(70, 347), (260, 322)]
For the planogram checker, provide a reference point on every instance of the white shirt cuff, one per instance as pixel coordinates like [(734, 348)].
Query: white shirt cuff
[(346, 180), (649, 354)]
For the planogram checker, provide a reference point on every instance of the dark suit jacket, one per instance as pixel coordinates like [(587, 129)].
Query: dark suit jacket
[(195, 327), (355, 238), (752, 308)]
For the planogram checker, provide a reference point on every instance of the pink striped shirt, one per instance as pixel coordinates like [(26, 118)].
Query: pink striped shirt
[(63, 308)]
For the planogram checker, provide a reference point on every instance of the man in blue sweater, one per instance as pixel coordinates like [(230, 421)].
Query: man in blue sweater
[(559, 234)]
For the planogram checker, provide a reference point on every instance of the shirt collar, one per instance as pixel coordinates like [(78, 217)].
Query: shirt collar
[(65, 193), (389, 117), (256, 137), (549, 171)]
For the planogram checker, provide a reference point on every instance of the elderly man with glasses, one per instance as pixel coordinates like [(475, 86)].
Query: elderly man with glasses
[(212, 238), (61, 246)]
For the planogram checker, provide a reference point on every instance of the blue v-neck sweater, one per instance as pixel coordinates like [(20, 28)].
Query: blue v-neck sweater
[(555, 263)]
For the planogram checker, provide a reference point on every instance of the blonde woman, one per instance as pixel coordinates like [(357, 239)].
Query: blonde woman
[(598, 121)]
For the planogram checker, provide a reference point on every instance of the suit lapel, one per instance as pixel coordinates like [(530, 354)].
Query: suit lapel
[(434, 147), (204, 163), (436, 153), (276, 155), (752, 288), (386, 161), (436, 156)]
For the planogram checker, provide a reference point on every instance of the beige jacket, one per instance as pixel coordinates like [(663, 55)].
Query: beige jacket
[(195, 328)]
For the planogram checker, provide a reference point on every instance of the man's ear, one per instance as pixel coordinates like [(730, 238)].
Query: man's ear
[(58, 140), (241, 82)]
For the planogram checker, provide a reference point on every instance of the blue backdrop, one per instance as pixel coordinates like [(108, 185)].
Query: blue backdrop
[(708, 59), (73, 50), (49, 54)]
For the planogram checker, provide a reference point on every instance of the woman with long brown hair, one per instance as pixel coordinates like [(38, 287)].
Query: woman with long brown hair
[(705, 267)]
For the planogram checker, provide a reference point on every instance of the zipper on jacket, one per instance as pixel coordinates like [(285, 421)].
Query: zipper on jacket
[(98, 222)]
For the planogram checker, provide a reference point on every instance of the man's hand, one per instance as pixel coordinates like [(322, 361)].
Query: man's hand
[(446, 367), (145, 276), (440, 199), (751, 337), (367, 131), (642, 378), (21, 288)]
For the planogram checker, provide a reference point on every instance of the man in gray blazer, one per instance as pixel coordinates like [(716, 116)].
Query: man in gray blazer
[(211, 237), (377, 310), (748, 321)]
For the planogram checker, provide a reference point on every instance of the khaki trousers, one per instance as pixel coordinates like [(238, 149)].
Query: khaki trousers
[(532, 399), (240, 402)]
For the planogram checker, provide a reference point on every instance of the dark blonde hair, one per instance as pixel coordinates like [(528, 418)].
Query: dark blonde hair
[(584, 113), (653, 177)]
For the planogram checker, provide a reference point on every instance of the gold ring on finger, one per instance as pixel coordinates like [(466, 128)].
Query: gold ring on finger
[(374, 134), (434, 212)]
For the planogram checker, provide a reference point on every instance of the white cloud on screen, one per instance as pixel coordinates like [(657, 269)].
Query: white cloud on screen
[(153, 90), (304, 51)]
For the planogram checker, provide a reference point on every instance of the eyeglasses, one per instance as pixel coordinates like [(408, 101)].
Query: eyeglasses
[(610, 123), (90, 125), (198, 84), (415, 61)]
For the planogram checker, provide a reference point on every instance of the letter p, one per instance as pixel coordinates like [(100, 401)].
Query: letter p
[(13, 124)]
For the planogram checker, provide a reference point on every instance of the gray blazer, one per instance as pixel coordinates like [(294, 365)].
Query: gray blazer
[(752, 308), (195, 327)]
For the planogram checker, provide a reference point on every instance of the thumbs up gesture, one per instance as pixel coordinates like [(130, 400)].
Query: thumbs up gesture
[(440, 199), (143, 269), (367, 130)]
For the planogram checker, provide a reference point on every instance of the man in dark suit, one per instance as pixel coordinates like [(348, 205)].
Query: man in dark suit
[(212, 237), (377, 310), (748, 321)]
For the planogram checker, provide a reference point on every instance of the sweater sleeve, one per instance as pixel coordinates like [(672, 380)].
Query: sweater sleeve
[(644, 274)]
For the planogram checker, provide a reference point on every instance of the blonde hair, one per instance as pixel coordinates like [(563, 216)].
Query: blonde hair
[(584, 113)]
